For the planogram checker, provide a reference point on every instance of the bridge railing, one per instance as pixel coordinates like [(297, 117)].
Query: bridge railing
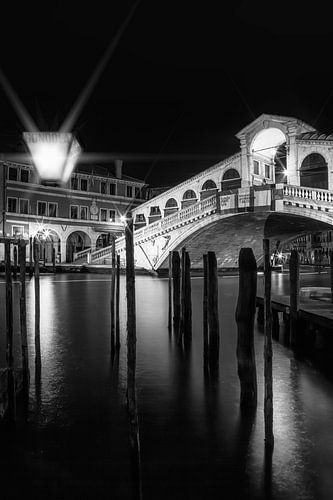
[(307, 193), (82, 254)]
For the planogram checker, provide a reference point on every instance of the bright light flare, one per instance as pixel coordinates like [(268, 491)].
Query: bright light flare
[(54, 154), (123, 219), (267, 141)]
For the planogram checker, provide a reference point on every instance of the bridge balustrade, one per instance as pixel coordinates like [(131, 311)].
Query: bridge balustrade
[(308, 193)]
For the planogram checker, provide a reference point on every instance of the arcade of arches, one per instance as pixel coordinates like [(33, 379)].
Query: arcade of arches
[(314, 172)]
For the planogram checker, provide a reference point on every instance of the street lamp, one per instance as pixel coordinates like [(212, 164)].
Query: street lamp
[(54, 154)]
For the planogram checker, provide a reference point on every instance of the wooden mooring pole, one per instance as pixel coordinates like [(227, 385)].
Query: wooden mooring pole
[(23, 314), (176, 291), (245, 313), (53, 259), (113, 283), (9, 333), (294, 296), (31, 272), (182, 295), (131, 359), (187, 300), (213, 312), (117, 302), (15, 262), (170, 293), (205, 308), (268, 352), (38, 360), (331, 273)]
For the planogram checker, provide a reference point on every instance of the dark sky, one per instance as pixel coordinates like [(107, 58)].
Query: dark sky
[(184, 78)]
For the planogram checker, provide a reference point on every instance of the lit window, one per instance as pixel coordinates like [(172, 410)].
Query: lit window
[(104, 214), (41, 207), (84, 185), (17, 231), (24, 206), (74, 183), (12, 173), (24, 175), (256, 167), (267, 171), (74, 210), (84, 213), (129, 191), (11, 204), (112, 188), (53, 208), (112, 216)]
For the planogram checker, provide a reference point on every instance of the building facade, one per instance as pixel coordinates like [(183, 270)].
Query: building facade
[(85, 213)]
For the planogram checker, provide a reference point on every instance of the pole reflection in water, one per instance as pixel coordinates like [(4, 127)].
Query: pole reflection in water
[(195, 442)]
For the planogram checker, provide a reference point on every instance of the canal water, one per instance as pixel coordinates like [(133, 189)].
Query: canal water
[(72, 440)]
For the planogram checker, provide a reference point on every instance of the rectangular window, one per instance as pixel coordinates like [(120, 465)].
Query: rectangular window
[(74, 210), (24, 175), (112, 214), (17, 231), (84, 184), (41, 207), (74, 183), (53, 209), (129, 191), (84, 213), (112, 189), (103, 187), (24, 206), (11, 204), (256, 167), (155, 210), (12, 173), (137, 192), (104, 214), (267, 171)]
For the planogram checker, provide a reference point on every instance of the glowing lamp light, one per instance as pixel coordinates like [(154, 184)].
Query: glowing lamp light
[(123, 219), (54, 154)]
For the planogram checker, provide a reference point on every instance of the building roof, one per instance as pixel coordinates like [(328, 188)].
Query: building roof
[(103, 171), (315, 136)]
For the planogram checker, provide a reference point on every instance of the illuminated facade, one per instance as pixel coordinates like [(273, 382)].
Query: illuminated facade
[(84, 214)]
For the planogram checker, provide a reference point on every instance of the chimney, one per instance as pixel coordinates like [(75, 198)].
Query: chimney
[(119, 166)]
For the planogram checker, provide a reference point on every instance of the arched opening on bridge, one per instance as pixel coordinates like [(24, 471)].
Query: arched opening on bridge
[(268, 149), (76, 242), (171, 207), (49, 240), (313, 172), (208, 189), (189, 198), (231, 180), (103, 240)]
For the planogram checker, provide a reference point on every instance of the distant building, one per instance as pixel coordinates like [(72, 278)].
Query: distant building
[(314, 248), (83, 214)]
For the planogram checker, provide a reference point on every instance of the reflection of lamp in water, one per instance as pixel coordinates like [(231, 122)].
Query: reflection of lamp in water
[(54, 154)]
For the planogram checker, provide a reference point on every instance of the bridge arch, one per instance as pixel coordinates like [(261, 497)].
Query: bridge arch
[(189, 197), (231, 180), (76, 242), (314, 171)]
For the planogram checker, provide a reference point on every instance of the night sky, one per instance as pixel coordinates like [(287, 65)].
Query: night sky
[(184, 78)]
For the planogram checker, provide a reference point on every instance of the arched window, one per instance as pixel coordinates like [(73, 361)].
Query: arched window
[(209, 185), (313, 172), (231, 180), (171, 203), (189, 195)]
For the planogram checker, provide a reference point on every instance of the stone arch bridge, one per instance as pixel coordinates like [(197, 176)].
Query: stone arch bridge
[(279, 186)]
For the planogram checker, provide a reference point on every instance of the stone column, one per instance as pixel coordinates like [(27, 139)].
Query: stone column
[(292, 167), (245, 162), (63, 250)]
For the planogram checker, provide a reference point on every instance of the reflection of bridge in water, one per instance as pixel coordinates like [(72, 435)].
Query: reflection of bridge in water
[(279, 186)]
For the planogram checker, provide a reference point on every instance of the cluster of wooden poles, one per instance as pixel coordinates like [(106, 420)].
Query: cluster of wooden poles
[(180, 319)]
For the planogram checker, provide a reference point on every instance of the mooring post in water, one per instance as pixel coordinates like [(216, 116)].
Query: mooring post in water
[(187, 299), (131, 357), (205, 307), (113, 283), (176, 291), (170, 292), (117, 302), (9, 333), (245, 313), (38, 360), (23, 314), (182, 295), (44, 255), (213, 310), (294, 296), (268, 352), (15, 262), (31, 271), (331, 273)]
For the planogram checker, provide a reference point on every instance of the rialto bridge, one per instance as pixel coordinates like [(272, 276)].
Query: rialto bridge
[(279, 185)]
